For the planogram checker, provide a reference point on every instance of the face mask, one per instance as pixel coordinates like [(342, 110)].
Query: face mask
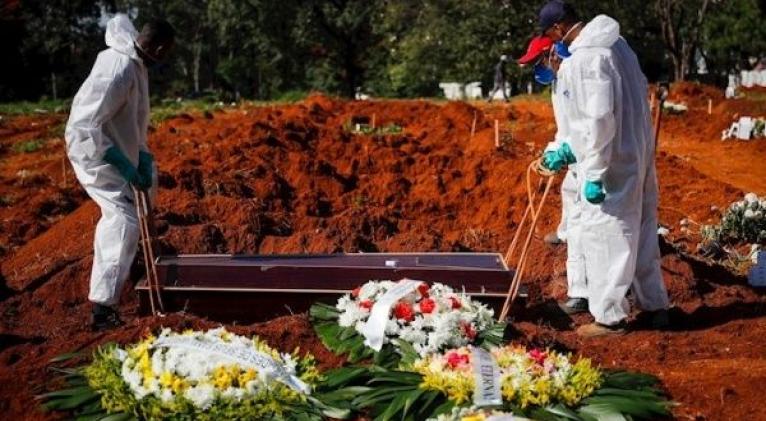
[(561, 50), (544, 75)]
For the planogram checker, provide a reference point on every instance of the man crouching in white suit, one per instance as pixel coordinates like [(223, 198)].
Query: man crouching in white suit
[(106, 144)]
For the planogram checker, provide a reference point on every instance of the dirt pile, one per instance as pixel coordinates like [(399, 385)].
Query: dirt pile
[(296, 178)]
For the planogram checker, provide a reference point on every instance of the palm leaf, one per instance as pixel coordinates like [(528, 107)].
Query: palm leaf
[(342, 376)]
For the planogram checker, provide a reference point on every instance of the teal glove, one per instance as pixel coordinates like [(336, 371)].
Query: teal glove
[(555, 160), (145, 160), (594, 192), (115, 157)]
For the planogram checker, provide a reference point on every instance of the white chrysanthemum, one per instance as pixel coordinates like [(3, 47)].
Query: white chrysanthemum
[(289, 362), (413, 336), (392, 327), (751, 197), (351, 315), (749, 214), (167, 395), (233, 393), (201, 395)]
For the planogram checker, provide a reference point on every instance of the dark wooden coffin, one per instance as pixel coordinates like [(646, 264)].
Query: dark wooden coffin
[(256, 288)]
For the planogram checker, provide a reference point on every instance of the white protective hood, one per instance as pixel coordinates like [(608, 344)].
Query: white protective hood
[(601, 32), (121, 35)]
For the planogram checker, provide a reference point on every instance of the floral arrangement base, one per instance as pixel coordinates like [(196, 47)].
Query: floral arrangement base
[(428, 319), (210, 375)]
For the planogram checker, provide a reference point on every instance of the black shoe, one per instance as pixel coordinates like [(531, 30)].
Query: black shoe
[(574, 306), (660, 319), (105, 318)]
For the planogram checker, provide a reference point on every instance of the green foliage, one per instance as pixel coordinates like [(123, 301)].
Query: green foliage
[(171, 108), (28, 146), (261, 49), (33, 107), (367, 129), (292, 96), (742, 222), (735, 32)]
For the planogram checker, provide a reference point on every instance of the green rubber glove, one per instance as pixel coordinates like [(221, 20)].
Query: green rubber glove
[(594, 192), (115, 157), (555, 160), (565, 151), (145, 160)]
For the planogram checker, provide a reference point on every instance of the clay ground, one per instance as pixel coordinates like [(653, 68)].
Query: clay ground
[(291, 178)]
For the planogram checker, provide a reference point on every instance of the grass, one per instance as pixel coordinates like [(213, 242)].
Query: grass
[(757, 96), (29, 146), (369, 130), (35, 107), (169, 108)]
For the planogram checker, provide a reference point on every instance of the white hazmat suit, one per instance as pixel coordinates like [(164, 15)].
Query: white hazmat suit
[(604, 94), (111, 109), (576, 285)]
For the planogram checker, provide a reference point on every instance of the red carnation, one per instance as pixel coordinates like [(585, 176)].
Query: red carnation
[(366, 304), (538, 356), (355, 292), (423, 289), (454, 359), (427, 305), (468, 330), (403, 311), (455, 302)]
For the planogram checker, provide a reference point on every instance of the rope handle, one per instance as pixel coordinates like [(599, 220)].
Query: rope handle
[(143, 209), (513, 290)]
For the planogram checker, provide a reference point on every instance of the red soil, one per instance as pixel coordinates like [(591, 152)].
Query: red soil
[(291, 179)]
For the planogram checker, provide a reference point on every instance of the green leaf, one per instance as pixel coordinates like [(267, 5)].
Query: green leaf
[(65, 357), (428, 399), (444, 408), (342, 376), (118, 417), (71, 402), (375, 395), (629, 380), (74, 391), (408, 352), (644, 408), (601, 412), (493, 336), (411, 398), (396, 406), (562, 412), (321, 311), (345, 394)]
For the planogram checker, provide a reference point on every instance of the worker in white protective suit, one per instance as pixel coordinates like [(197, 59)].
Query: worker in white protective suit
[(547, 56), (106, 144), (615, 212)]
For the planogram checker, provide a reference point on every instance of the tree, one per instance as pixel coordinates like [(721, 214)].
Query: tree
[(681, 23), (736, 32), (259, 57), (448, 41), (339, 38), (56, 33)]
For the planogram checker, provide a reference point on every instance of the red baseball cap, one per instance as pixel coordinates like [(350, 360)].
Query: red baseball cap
[(539, 44)]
